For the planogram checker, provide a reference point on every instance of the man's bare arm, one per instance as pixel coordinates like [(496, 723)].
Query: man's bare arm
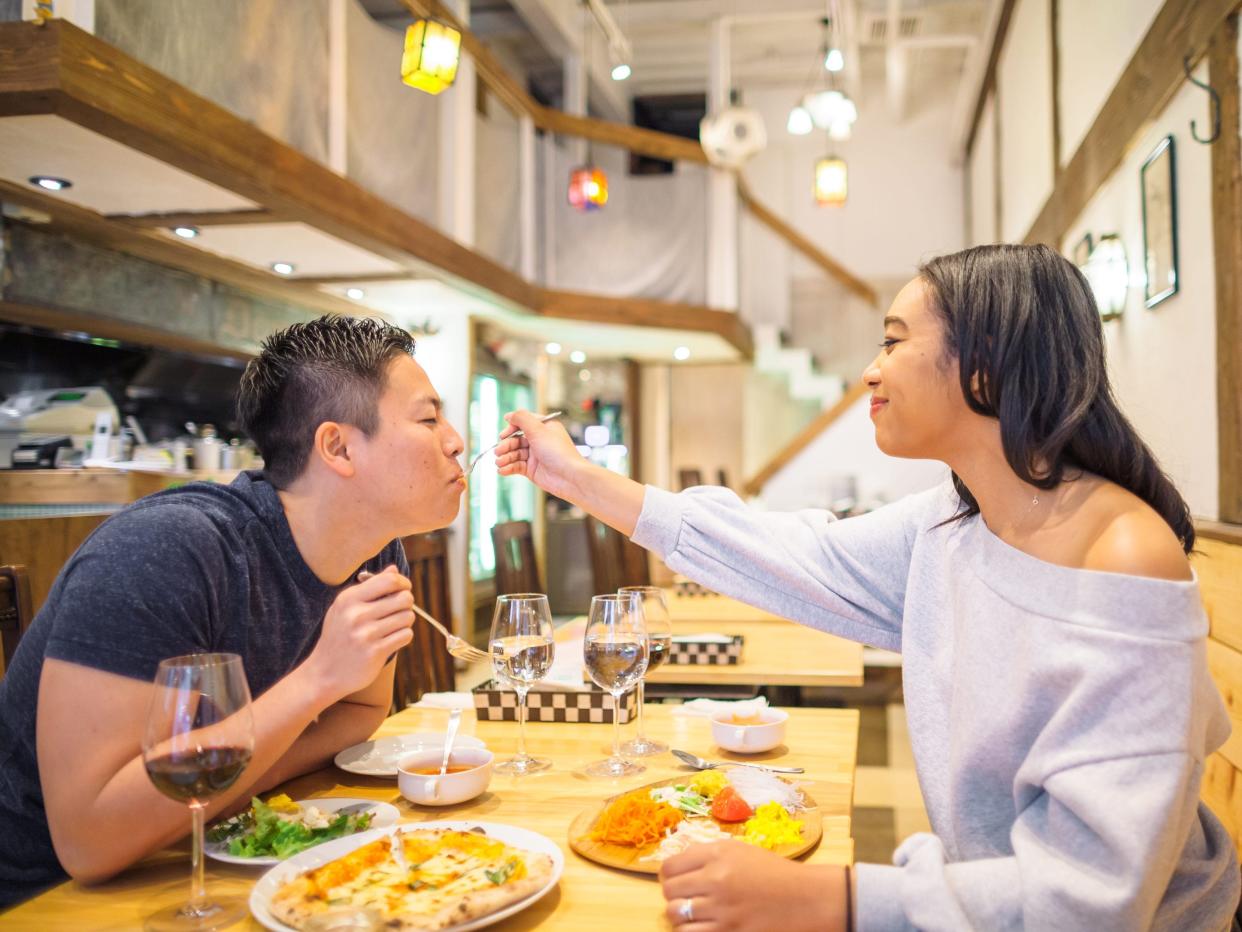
[(103, 812)]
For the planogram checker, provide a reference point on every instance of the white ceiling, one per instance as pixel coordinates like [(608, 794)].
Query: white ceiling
[(107, 176), (311, 251)]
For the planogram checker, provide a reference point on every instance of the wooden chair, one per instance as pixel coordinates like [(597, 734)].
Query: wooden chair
[(516, 570), (722, 478), (615, 560), (15, 611), (425, 665), (687, 478)]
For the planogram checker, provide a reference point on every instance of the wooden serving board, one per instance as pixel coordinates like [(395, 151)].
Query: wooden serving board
[(627, 858)]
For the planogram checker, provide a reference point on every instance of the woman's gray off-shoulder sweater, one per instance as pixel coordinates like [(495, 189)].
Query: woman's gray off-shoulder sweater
[(1060, 718)]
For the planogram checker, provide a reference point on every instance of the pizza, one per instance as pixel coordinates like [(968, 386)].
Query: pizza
[(448, 877)]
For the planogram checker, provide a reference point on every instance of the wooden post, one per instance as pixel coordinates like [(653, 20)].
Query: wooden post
[(1227, 245)]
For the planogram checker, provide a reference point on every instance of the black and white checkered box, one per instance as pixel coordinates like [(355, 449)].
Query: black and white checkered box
[(699, 653), (494, 703)]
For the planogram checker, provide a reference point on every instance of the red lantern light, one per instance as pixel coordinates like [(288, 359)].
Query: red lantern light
[(588, 188)]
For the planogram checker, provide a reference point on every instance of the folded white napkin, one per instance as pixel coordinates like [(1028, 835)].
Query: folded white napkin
[(445, 701), (706, 708)]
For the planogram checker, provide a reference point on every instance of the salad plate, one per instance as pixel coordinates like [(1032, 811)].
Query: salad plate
[(379, 758), (267, 886), (383, 815), (592, 833)]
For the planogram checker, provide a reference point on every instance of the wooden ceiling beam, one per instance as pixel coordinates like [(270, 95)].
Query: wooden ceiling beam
[(358, 278), (648, 312), (635, 139), (200, 218), (805, 246)]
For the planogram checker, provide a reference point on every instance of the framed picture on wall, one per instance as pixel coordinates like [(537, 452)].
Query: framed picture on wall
[(1082, 252), (1158, 181)]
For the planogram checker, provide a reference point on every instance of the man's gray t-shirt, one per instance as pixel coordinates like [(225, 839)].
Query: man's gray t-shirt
[(204, 567)]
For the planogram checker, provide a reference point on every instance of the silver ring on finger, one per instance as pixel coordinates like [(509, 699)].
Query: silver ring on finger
[(685, 911)]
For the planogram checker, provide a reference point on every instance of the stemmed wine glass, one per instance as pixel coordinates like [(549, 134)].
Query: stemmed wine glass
[(659, 641), (615, 653), (522, 648), (199, 738)]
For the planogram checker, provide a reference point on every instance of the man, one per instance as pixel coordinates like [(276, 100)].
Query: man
[(357, 453)]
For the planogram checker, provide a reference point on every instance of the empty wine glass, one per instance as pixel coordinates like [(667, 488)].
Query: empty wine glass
[(615, 653), (659, 641), (199, 738), (522, 648)]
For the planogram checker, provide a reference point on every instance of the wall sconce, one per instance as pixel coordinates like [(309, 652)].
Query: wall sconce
[(831, 181), (429, 61), (1108, 272), (588, 188)]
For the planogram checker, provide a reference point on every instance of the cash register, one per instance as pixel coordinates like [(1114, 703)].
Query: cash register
[(36, 423)]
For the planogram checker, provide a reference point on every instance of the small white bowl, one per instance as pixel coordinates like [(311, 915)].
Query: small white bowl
[(451, 788), (750, 739)]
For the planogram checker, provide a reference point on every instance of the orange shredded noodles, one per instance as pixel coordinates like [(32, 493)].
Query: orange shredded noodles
[(635, 820)]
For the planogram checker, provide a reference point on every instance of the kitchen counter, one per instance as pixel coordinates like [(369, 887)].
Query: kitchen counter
[(91, 486)]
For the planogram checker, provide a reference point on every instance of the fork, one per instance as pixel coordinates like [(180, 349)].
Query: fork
[(459, 648), (474, 462)]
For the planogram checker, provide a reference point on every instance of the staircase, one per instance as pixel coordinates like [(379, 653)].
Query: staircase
[(797, 366)]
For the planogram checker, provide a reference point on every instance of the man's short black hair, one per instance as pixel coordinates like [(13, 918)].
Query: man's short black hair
[(329, 369)]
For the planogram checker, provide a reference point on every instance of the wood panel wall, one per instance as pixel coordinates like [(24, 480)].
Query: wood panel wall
[(1219, 565)]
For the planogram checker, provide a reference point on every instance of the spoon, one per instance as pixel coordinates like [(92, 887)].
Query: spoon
[(699, 764), (474, 462), (433, 783)]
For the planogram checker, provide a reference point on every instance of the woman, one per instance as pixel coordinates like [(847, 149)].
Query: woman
[(1059, 702)]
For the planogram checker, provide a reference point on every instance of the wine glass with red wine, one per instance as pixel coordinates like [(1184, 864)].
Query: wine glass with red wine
[(199, 738)]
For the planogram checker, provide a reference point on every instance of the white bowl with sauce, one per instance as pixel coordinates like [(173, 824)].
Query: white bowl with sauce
[(469, 773), (750, 737)]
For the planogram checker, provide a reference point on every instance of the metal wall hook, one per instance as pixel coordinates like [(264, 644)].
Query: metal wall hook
[(1215, 106)]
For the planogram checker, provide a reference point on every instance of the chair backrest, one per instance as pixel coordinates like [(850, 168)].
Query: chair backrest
[(15, 611), (516, 570), (425, 665), (688, 478), (615, 560), (722, 478)]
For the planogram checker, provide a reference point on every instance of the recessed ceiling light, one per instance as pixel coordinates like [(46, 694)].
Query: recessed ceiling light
[(682, 352), (283, 268), (578, 357), (584, 375), (186, 232), (356, 294), (553, 349), (48, 183), (621, 72)]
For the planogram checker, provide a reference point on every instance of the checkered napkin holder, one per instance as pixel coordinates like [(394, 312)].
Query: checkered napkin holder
[(549, 702), (700, 651)]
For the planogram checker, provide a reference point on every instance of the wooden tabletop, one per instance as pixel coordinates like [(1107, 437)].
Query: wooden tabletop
[(713, 608), (589, 896), (775, 653)]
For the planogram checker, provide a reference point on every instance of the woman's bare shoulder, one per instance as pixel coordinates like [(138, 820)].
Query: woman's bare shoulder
[(1129, 536)]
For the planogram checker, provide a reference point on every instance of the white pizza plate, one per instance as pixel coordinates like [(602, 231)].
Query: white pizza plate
[(269, 883), (383, 815), (379, 758)]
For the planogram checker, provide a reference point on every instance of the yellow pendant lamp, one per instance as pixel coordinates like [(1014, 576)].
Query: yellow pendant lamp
[(831, 181), (429, 61)]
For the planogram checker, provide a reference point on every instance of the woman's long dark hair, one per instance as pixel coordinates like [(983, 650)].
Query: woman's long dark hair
[(1024, 328)]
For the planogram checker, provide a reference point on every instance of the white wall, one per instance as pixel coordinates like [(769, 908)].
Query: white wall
[(847, 448), (1024, 88), (1097, 40), (1163, 361), (983, 178), (905, 197)]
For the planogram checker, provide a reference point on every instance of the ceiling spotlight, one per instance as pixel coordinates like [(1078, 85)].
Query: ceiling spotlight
[(834, 61), (584, 375), (283, 268), (553, 349), (578, 357), (186, 232), (681, 353), (356, 294), (621, 72), (48, 183)]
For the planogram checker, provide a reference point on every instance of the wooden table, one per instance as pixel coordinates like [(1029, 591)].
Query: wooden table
[(776, 653), (588, 897), (713, 608)]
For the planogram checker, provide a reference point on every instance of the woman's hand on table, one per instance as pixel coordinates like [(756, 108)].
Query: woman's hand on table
[(738, 887)]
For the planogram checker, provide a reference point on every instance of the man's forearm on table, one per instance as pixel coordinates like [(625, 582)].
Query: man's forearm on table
[(339, 726)]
